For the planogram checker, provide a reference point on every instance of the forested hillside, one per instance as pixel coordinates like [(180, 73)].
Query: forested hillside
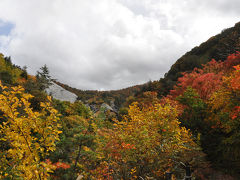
[(10, 73), (211, 109), (217, 47), (116, 97), (188, 120)]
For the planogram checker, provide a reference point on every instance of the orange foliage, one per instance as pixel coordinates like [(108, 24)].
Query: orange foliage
[(235, 82), (58, 165), (31, 77)]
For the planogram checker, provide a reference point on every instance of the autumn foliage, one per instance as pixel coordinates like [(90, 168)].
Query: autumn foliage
[(27, 137), (210, 97), (45, 139), (145, 144)]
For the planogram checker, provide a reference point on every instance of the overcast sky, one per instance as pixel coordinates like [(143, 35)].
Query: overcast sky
[(108, 44)]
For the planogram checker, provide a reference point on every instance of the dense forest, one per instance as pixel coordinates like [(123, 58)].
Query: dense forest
[(189, 118)]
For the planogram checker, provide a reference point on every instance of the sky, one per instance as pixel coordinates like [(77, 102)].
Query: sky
[(108, 44)]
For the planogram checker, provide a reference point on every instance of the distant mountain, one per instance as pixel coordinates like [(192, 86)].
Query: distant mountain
[(114, 98)]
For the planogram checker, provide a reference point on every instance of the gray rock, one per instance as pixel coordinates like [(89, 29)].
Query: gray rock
[(107, 107), (60, 93), (92, 107)]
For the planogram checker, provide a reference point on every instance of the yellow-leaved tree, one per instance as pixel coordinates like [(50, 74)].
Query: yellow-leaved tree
[(27, 136), (147, 143)]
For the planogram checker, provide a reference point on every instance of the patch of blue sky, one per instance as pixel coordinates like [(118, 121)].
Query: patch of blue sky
[(5, 28)]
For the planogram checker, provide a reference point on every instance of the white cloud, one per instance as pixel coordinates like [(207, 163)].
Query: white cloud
[(108, 44)]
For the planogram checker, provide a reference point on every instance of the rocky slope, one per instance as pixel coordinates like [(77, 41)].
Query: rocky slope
[(60, 93)]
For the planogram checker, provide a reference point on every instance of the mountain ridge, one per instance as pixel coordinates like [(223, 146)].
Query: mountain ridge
[(217, 47)]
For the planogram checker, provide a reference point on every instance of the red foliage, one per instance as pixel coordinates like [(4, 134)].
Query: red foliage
[(232, 60), (114, 149), (58, 165), (128, 146), (236, 112), (204, 83), (61, 165), (208, 79), (235, 82)]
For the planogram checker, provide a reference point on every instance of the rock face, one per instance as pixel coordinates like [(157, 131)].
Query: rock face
[(107, 107), (60, 93)]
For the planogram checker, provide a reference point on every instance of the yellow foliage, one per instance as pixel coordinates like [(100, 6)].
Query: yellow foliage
[(30, 135), (14, 71), (149, 138)]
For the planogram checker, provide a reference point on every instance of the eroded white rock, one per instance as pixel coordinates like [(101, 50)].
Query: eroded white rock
[(60, 93)]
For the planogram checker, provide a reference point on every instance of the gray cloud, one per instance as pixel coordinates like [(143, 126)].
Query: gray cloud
[(109, 44)]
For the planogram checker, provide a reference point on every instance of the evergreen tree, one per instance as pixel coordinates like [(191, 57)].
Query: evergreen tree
[(43, 78), (24, 73)]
